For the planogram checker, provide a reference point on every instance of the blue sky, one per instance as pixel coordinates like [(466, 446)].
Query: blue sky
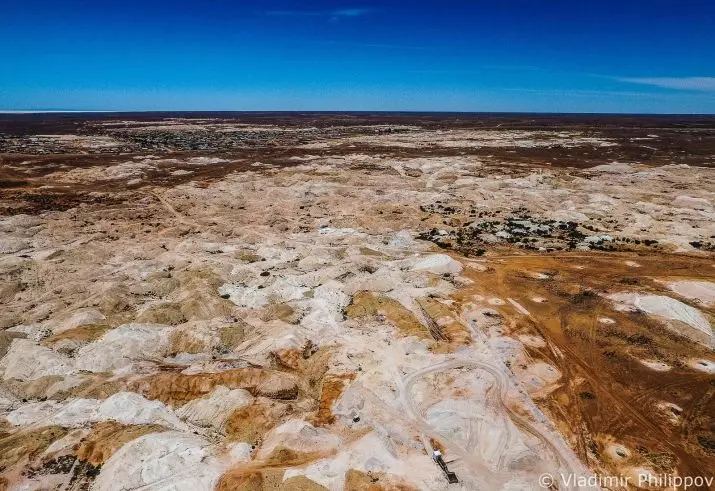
[(461, 55)]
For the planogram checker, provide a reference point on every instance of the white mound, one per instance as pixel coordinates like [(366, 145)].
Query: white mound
[(702, 291), (694, 203), (125, 407), (33, 413), (80, 318), (702, 365), (9, 245), (299, 435), (122, 346), (282, 290), (160, 461), (531, 340), (130, 408), (205, 160), (326, 307), (438, 264), (214, 409), (26, 360), (614, 167), (669, 309), (402, 240), (658, 366), (369, 454)]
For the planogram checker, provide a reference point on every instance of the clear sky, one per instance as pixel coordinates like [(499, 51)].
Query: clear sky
[(436, 55)]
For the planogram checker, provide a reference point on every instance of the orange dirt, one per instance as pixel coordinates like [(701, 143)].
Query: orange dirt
[(333, 386), (183, 341), (356, 480), (107, 437), (288, 358), (177, 389), (235, 481), (442, 320), (26, 445), (250, 423), (606, 394), (267, 474), (367, 304), (266, 480), (86, 333)]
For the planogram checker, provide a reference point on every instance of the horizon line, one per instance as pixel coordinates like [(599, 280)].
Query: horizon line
[(337, 111)]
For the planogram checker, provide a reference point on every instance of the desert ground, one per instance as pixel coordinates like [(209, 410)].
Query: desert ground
[(322, 301)]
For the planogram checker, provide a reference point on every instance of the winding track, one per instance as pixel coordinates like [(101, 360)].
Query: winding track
[(502, 383)]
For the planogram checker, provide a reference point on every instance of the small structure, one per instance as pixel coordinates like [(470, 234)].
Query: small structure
[(451, 476)]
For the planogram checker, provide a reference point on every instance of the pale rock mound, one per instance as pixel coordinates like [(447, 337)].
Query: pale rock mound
[(707, 366), (614, 167), (122, 346), (215, 409), (402, 240), (160, 461), (80, 318), (368, 454), (73, 414), (569, 215), (656, 365), (278, 386), (693, 203), (130, 408), (326, 307), (690, 321), (438, 264), (125, 407), (300, 436), (10, 245), (702, 291), (33, 413), (383, 280), (240, 452), (282, 290), (26, 360)]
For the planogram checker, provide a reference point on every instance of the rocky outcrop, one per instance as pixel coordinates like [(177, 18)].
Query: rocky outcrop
[(215, 409), (174, 459), (177, 389), (122, 346), (26, 360)]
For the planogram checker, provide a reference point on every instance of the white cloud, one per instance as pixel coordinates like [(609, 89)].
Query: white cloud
[(350, 12), (705, 84), (332, 14)]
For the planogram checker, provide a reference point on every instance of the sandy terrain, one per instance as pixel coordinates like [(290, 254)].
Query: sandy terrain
[(321, 302)]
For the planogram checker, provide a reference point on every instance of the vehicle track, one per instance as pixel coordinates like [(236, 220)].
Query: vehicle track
[(502, 383)]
